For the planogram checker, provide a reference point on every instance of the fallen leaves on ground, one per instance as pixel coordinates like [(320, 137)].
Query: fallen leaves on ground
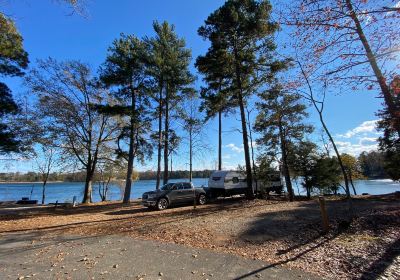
[(278, 232)]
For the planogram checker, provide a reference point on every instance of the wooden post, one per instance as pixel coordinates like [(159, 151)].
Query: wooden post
[(324, 215)]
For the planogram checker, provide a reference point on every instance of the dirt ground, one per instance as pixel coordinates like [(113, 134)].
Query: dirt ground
[(277, 232)]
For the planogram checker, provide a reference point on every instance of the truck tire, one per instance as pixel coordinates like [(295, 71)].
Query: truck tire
[(162, 204), (202, 199)]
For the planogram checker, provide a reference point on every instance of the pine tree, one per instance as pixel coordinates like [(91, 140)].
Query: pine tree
[(215, 94), (280, 123), (240, 33), (168, 65), (125, 71)]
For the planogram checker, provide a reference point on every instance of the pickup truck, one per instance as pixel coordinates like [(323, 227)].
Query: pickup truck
[(174, 194)]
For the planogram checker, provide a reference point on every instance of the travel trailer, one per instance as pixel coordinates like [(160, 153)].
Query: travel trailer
[(228, 183)]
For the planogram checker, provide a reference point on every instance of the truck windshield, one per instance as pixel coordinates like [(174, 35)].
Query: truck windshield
[(168, 187)]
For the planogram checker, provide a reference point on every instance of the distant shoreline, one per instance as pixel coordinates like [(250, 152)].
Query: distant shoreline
[(49, 182), (37, 182)]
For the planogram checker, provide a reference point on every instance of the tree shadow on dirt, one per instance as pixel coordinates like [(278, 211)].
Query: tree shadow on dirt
[(298, 255), (378, 267), (21, 212)]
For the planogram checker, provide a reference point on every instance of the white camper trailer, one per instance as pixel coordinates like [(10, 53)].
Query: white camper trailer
[(227, 183)]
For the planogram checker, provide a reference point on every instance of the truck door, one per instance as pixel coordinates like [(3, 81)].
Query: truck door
[(187, 192), (180, 193)]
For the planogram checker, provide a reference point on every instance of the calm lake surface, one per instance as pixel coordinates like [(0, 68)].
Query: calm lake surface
[(64, 192)]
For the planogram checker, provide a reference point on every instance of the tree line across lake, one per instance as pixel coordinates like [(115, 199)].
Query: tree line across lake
[(143, 102), (80, 176)]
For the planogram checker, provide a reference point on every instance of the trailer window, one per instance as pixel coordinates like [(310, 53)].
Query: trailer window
[(216, 178)]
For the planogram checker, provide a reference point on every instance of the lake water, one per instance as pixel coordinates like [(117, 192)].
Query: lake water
[(66, 191)]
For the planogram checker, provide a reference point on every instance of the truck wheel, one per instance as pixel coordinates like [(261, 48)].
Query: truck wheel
[(162, 204), (202, 199)]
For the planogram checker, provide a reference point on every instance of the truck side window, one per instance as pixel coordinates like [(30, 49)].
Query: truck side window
[(187, 186)]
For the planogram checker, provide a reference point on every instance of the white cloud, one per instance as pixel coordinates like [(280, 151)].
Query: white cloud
[(368, 141), (359, 139), (365, 128), (355, 149), (234, 148)]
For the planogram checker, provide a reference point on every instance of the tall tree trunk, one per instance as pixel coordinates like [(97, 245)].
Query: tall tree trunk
[(320, 110), (251, 145), (308, 187), (166, 136), (190, 155), (377, 71), (346, 180), (131, 156), (285, 165), (44, 191), (220, 140), (46, 177), (160, 134), (87, 196), (170, 167), (249, 174), (352, 185)]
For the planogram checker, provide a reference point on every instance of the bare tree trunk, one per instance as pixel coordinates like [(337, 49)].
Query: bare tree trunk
[(249, 175), (166, 137), (44, 186), (190, 155), (160, 134), (346, 180), (377, 71), (170, 174), (320, 110), (220, 140), (251, 144), (250, 193), (131, 156), (307, 186), (285, 164), (351, 182), (87, 197), (44, 191), (46, 175)]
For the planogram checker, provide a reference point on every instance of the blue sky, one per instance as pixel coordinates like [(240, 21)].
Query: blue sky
[(49, 31)]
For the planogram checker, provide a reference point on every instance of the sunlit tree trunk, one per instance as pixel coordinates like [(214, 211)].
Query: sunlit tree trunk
[(131, 156), (220, 140), (377, 71), (160, 134), (166, 136)]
